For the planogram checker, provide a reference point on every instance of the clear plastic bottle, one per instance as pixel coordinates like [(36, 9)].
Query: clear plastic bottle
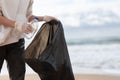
[(35, 25)]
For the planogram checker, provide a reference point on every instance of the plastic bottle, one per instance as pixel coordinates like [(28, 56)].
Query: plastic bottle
[(35, 25)]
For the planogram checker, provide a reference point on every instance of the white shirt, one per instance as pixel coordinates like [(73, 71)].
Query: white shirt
[(16, 10)]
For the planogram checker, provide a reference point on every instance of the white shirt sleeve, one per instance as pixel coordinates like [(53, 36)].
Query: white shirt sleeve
[(29, 10)]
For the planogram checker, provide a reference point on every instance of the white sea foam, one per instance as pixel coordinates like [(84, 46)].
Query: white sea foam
[(102, 59)]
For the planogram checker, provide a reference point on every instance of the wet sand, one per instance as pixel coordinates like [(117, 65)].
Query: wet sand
[(77, 77)]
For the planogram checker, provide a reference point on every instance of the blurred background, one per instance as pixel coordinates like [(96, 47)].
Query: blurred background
[(92, 31)]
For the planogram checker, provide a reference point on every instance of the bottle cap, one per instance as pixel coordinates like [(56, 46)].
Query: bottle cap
[(36, 18)]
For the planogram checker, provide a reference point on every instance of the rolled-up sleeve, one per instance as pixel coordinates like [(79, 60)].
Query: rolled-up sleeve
[(29, 9)]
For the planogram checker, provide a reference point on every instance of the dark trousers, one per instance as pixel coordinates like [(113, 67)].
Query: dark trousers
[(12, 53)]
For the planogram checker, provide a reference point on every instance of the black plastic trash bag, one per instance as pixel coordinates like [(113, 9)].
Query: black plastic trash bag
[(48, 55)]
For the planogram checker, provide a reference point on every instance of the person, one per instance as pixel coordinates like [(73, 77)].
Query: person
[(14, 18)]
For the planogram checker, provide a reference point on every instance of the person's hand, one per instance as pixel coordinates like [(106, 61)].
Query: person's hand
[(49, 18), (24, 27)]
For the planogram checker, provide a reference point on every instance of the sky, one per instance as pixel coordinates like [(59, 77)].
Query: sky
[(78, 13)]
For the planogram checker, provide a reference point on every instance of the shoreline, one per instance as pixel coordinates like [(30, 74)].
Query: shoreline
[(77, 77)]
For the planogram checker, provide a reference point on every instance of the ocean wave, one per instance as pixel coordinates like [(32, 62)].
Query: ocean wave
[(93, 41)]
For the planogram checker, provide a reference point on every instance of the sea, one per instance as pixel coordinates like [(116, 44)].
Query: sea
[(92, 50)]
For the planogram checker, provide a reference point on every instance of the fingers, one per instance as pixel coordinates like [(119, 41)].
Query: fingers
[(24, 27), (29, 29)]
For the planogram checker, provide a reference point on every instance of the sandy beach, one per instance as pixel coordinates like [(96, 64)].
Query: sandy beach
[(77, 77)]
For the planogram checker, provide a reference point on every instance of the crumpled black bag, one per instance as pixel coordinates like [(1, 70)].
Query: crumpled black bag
[(48, 55)]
